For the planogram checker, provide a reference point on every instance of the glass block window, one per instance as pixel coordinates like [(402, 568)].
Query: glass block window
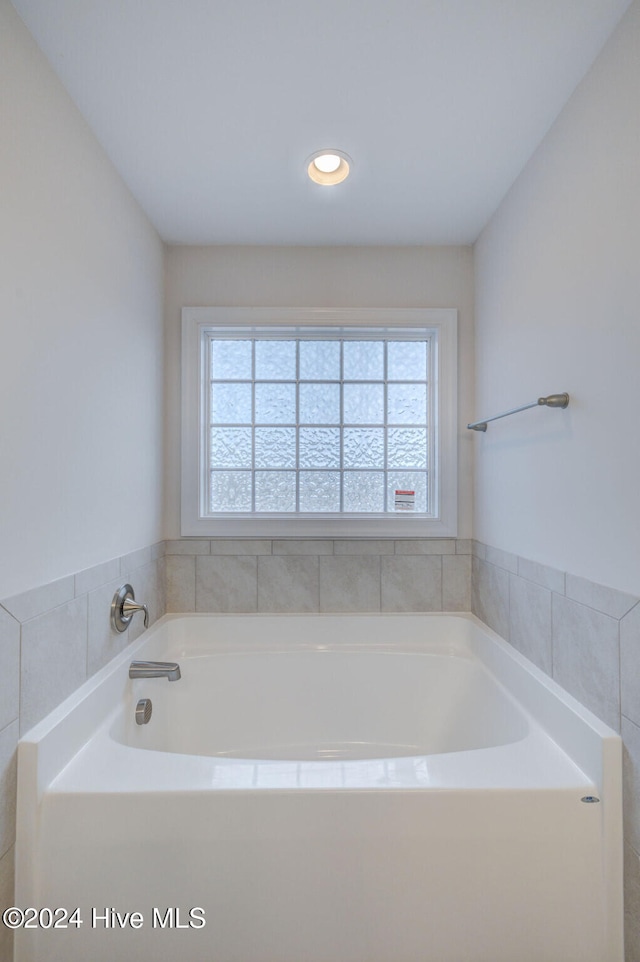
[(319, 425), (334, 429)]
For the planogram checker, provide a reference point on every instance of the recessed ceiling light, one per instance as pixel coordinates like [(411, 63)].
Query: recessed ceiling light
[(328, 167), (327, 163)]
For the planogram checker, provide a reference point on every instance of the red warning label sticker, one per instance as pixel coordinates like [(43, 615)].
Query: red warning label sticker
[(405, 500)]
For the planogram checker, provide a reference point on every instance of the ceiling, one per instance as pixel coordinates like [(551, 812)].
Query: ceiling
[(209, 108)]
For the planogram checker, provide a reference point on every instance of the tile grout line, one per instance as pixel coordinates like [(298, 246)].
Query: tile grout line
[(553, 636), (86, 640), (619, 633), (20, 684)]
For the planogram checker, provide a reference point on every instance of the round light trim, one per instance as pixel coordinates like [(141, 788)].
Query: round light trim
[(328, 167)]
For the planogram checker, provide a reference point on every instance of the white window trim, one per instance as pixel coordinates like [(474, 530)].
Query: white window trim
[(297, 322)]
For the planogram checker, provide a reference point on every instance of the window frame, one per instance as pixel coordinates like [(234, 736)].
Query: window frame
[(298, 323)]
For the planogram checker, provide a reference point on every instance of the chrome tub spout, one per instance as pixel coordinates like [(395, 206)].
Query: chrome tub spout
[(155, 669)]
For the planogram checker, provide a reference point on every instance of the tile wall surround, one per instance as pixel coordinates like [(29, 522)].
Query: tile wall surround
[(586, 636), (318, 575)]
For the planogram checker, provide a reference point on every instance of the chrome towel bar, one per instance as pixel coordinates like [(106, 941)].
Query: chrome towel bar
[(552, 401)]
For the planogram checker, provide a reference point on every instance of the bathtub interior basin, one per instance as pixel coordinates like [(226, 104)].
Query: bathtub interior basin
[(330, 701)]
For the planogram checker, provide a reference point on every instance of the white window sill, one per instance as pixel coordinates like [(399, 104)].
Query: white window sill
[(406, 525)]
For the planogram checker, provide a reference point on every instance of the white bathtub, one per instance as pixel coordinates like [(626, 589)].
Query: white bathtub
[(322, 788)]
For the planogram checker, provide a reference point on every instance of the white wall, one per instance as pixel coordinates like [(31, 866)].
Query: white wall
[(81, 350), (558, 309), (318, 277)]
